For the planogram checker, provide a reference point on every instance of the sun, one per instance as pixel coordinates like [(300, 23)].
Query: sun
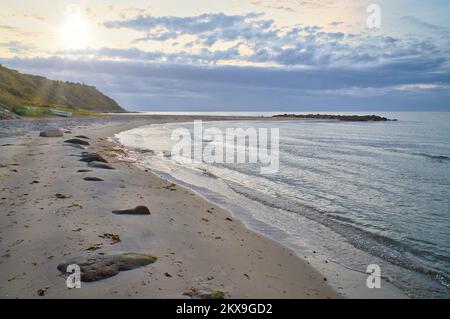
[(75, 31)]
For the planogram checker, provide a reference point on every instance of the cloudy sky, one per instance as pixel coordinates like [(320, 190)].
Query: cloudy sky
[(246, 55)]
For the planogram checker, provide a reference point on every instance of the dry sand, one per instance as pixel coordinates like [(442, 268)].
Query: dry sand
[(196, 243)]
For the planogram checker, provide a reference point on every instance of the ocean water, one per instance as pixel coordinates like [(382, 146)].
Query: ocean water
[(359, 193)]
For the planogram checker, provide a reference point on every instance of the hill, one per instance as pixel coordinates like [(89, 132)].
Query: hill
[(17, 89)]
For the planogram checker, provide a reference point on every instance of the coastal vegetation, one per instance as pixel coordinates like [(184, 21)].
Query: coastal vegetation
[(30, 95), (32, 111)]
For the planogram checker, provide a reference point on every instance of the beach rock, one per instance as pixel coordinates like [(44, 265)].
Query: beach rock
[(350, 118), (77, 141), (93, 179), (84, 171), (104, 266), (6, 114), (53, 132), (100, 165), (41, 291), (144, 151), (82, 136), (201, 294), (77, 146), (139, 210), (62, 196), (92, 157)]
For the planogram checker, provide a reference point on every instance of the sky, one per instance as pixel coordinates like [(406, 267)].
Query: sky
[(246, 55)]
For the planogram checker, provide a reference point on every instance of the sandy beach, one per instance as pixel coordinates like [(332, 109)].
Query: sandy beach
[(199, 245), (179, 152)]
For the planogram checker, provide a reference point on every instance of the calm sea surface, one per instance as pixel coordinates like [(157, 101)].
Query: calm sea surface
[(358, 192)]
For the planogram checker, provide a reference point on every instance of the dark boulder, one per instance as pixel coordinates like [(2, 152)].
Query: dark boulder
[(104, 266), (76, 141), (52, 132), (92, 157)]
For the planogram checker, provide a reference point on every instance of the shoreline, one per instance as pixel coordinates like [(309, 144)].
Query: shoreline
[(348, 282), (197, 249)]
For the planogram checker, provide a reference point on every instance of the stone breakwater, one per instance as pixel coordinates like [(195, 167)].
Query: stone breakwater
[(348, 118)]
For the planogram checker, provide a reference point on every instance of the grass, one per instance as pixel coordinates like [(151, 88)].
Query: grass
[(31, 112), (34, 111), (18, 90)]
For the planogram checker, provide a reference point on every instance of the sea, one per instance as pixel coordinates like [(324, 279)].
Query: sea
[(358, 193)]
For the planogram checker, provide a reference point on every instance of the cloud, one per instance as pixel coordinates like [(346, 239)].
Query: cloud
[(34, 16), (271, 6), (7, 27), (421, 86), (246, 61), (16, 47), (427, 25), (188, 25), (143, 85), (209, 28), (301, 45), (335, 23)]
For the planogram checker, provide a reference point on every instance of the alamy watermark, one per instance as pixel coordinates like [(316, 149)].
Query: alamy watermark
[(374, 279), (74, 279), (234, 145), (374, 19)]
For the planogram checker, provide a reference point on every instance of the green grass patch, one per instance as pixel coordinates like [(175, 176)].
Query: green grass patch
[(35, 111), (31, 111)]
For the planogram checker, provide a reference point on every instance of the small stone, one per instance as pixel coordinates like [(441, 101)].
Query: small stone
[(80, 147), (92, 157), (76, 141), (199, 294), (62, 196), (82, 136), (100, 165), (84, 171), (93, 179), (139, 210), (41, 292)]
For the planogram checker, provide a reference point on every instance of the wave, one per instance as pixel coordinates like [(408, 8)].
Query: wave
[(409, 265), (377, 245), (440, 158)]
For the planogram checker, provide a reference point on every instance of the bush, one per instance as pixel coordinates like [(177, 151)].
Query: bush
[(30, 111)]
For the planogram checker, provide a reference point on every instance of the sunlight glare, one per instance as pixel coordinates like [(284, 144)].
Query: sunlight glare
[(75, 33)]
